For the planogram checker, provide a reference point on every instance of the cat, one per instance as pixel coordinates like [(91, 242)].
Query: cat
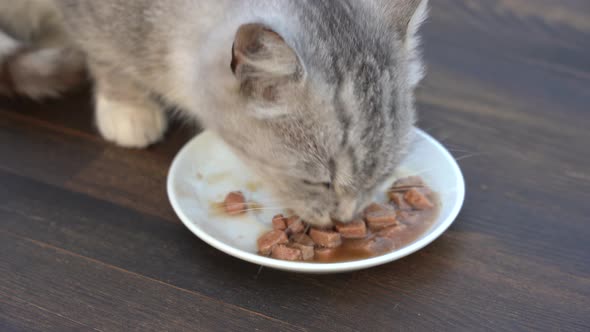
[(37, 60), (317, 96)]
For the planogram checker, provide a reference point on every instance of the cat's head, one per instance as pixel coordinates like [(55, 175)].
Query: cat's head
[(325, 112)]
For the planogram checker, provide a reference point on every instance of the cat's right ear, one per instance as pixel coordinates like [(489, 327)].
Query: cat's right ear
[(263, 62), (406, 16)]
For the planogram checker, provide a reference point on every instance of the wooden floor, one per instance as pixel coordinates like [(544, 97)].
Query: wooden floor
[(88, 240)]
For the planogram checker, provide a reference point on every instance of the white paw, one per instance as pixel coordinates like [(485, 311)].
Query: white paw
[(130, 125)]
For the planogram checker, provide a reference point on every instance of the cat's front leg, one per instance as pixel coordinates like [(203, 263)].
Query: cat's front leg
[(125, 114)]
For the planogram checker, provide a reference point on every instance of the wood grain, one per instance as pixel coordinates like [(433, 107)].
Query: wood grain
[(82, 162), (90, 293), (88, 240)]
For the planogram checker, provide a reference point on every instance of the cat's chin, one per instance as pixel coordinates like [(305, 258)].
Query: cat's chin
[(323, 222)]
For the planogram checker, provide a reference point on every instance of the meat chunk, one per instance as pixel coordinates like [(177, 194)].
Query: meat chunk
[(325, 254), (374, 207), (379, 246), (410, 181), (418, 200), (356, 229), (296, 226), (392, 232), (303, 239), (399, 201), (279, 222), (372, 245), (408, 217), (286, 253), (325, 238), (235, 203), (380, 216), (307, 252), (267, 241), (292, 219)]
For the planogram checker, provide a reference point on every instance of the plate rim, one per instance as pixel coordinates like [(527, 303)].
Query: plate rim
[(305, 267)]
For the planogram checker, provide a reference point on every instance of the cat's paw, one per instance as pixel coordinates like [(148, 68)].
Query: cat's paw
[(130, 125)]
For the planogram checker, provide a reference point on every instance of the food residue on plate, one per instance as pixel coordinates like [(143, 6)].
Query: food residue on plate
[(253, 186), (234, 204), (217, 177)]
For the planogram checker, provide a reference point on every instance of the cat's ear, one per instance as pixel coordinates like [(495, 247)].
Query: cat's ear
[(263, 62), (406, 16)]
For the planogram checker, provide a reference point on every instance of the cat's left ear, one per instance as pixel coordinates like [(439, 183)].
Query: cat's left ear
[(406, 17), (263, 62)]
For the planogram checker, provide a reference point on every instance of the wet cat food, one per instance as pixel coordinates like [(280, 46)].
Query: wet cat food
[(271, 239), (307, 251), (287, 253), (279, 222), (379, 216), (392, 232), (303, 239), (410, 181), (382, 228), (372, 245), (417, 200), (356, 229), (325, 254), (325, 238), (295, 225), (235, 203), (398, 200)]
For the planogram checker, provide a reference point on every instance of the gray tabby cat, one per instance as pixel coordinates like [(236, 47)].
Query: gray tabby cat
[(315, 95)]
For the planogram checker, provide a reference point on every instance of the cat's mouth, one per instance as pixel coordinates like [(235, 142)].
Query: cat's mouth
[(321, 221)]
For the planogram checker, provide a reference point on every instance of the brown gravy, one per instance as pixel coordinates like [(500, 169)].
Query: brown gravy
[(217, 209), (348, 251)]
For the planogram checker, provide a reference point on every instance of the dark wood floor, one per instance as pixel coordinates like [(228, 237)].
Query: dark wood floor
[(88, 240)]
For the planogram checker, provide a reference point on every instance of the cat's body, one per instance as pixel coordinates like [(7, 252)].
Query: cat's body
[(36, 57), (316, 95)]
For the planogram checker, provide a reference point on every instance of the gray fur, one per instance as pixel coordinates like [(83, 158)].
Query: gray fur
[(36, 58), (324, 112)]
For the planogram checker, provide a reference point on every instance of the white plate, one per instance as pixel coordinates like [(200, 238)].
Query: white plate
[(205, 170)]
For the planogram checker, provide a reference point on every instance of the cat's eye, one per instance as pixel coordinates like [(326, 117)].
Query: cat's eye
[(327, 185)]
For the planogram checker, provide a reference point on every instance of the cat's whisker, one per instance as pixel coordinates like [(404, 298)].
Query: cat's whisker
[(266, 203), (459, 150), (258, 273), (266, 209), (457, 159), (260, 269), (270, 205), (444, 139), (274, 206), (429, 129), (274, 203), (455, 146), (403, 188), (470, 156)]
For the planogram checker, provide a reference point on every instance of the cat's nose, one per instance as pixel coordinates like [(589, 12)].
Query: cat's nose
[(320, 220), (345, 211)]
